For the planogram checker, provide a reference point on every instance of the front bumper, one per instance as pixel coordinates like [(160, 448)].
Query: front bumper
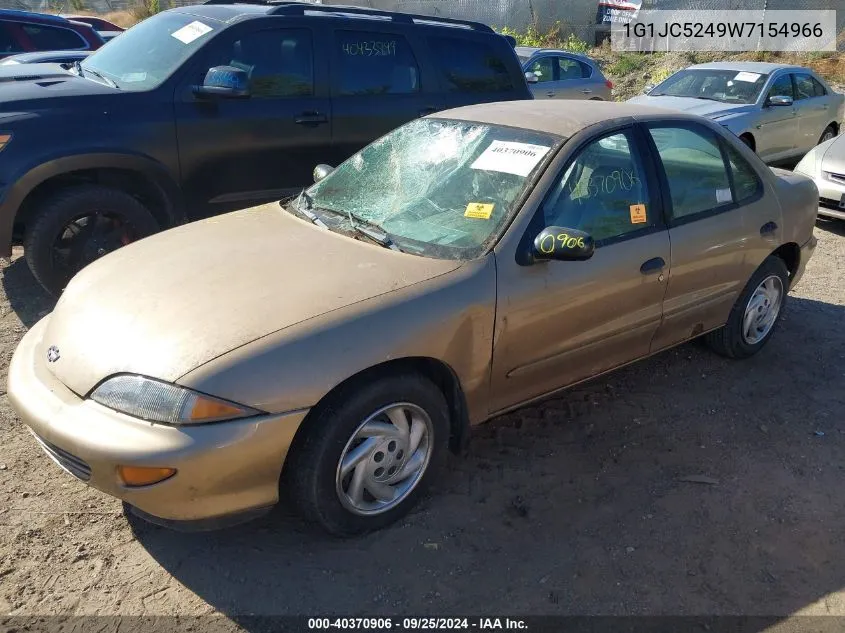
[(831, 195), (223, 469)]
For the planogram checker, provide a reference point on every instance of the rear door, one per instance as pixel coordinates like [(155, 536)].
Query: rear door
[(777, 134), (814, 110), (378, 83), (573, 79), (238, 152), (719, 228)]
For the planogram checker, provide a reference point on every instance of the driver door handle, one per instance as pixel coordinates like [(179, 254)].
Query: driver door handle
[(653, 265), (311, 118)]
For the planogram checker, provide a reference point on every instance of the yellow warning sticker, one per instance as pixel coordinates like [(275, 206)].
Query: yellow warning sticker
[(638, 214), (479, 210)]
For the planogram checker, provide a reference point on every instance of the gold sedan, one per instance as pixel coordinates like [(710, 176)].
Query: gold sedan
[(463, 265)]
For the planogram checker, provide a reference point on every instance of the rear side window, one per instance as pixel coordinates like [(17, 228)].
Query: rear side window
[(375, 64), (573, 69), (695, 169), (51, 38), (807, 87), (470, 66)]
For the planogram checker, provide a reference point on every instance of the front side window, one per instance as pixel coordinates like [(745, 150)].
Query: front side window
[(470, 66), (7, 41), (375, 64), (279, 63), (152, 50), (602, 192), (695, 169), (727, 86), (782, 88), (438, 187), (543, 68), (51, 38)]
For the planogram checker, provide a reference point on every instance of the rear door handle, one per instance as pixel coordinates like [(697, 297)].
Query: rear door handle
[(768, 229), (586, 91), (654, 265), (550, 93), (311, 118)]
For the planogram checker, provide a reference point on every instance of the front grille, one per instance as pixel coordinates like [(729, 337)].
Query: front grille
[(836, 177), (70, 463), (830, 204)]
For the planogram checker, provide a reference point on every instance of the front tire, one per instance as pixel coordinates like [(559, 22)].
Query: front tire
[(829, 133), (755, 314), (367, 454), (78, 225)]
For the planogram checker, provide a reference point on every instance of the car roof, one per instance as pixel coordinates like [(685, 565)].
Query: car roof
[(224, 12), (753, 67), (533, 50), (29, 16), (562, 117)]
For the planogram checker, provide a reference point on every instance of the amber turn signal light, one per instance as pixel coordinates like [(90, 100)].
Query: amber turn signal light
[(144, 476)]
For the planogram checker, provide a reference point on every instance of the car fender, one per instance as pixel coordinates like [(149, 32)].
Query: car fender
[(26, 183)]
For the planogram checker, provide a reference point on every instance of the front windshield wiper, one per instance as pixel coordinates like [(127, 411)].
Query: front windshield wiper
[(365, 228), (81, 71), (305, 210), (707, 98)]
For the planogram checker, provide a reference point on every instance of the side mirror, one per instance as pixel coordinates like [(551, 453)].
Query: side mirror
[(648, 88), (555, 242), (224, 82), (778, 100), (321, 171), (531, 78)]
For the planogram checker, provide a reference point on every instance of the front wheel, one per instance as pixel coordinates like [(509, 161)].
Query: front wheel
[(829, 133), (366, 456), (755, 313)]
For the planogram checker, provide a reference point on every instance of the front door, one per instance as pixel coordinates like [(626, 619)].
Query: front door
[(776, 135), (544, 70), (559, 322), (238, 152)]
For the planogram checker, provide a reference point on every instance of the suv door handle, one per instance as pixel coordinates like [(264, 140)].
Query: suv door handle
[(311, 118), (768, 228), (654, 265)]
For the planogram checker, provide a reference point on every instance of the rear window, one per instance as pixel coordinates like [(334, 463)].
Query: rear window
[(470, 66), (52, 38)]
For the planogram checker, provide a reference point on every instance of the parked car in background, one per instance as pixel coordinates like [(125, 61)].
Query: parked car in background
[(46, 57), (108, 35), (96, 22), (466, 264), (556, 74), (25, 31), (101, 166), (825, 164), (779, 111)]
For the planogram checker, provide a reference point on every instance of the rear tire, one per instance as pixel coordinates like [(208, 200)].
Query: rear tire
[(336, 440), (755, 314), (829, 133), (80, 209)]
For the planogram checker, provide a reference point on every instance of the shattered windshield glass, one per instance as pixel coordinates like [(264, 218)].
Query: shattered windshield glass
[(435, 187)]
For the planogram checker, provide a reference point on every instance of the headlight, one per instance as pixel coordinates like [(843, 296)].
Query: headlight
[(809, 164), (158, 401)]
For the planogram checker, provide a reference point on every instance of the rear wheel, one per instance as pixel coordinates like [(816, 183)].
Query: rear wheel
[(829, 133), (755, 313), (367, 455), (78, 225)]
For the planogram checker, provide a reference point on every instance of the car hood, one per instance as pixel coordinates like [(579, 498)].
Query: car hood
[(28, 82), (174, 301), (701, 107), (834, 157)]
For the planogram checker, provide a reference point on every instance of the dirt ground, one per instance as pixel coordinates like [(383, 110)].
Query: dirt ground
[(575, 506)]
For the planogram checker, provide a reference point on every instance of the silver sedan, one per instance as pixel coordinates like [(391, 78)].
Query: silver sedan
[(556, 74), (780, 111), (825, 164)]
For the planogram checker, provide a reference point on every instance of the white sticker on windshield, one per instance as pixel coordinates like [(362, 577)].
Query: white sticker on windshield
[(190, 32), (744, 76), (723, 195), (510, 158)]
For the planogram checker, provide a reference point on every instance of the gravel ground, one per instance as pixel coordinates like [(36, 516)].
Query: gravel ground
[(575, 506)]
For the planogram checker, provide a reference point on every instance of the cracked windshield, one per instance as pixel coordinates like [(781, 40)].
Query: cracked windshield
[(435, 187)]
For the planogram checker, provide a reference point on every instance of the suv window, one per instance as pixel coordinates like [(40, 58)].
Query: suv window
[(806, 87), (8, 44), (470, 66), (543, 68), (782, 87), (602, 192), (573, 69), (280, 63), (375, 63), (51, 38), (695, 169), (746, 181)]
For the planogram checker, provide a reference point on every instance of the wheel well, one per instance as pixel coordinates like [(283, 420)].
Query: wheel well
[(752, 143), (790, 253), (835, 127), (436, 371), (149, 193)]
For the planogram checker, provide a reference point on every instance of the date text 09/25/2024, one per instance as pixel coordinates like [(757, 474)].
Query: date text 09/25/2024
[(415, 624)]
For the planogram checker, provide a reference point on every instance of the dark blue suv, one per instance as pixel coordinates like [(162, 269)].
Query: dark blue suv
[(212, 107)]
